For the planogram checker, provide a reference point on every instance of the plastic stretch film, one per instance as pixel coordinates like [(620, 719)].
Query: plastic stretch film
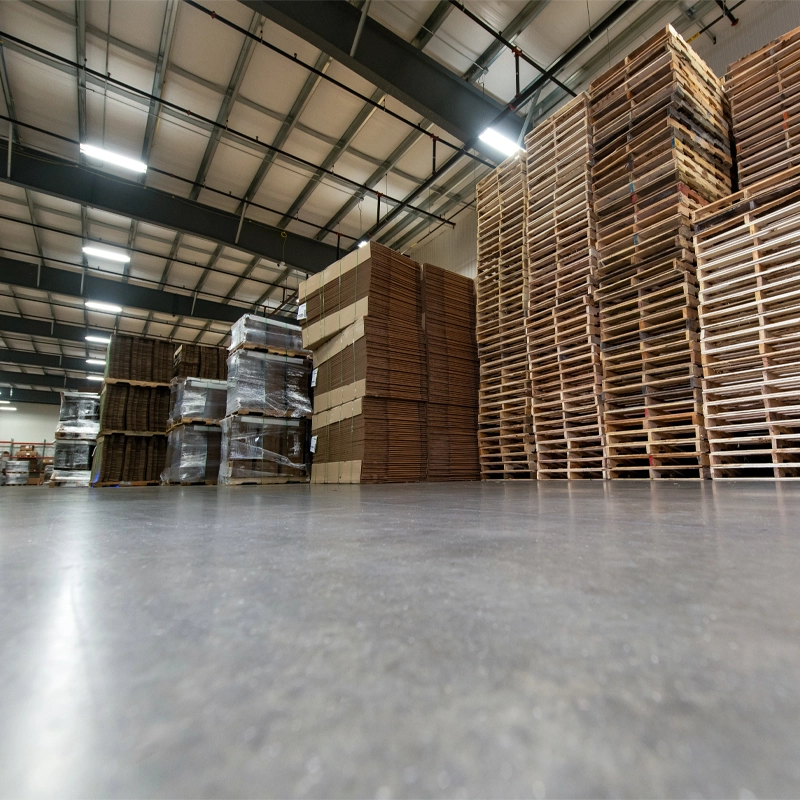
[(193, 454), (79, 415), (258, 448), (253, 331), (197, 399), (277, 386)]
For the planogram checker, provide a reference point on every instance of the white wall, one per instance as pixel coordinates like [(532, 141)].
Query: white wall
[(455, 249), (31, 422)]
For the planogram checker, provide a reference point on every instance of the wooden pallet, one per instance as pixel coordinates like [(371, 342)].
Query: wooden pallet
[(748, 261), (275, 351), (125, 484), (507, 448), (563, 337), (661, 151), (150, 384), (192, 421), (264, 481), (131, 433), (188, 483)]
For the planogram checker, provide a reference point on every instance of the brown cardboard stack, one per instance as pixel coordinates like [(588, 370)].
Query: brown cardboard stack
[(200, 361), (139, 359), (448, 302), (362, 317)]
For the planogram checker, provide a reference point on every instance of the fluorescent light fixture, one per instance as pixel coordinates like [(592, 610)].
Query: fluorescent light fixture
[(96, 361), (500, 142), (8, 408), (5, 402), (110, 255), (108, 157), (98, 339), (94, 377), (363, 243), (109, 308)]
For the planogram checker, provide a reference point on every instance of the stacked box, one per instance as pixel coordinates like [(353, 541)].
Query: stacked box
[(749, 310), (563, 336), (764, 92), (200, 361), (269, 335), (661, 151), (79, 417), (507, 447), (451, 355), (193, 454), (197, 400), (140, 359), (362, 316), (269, 384)]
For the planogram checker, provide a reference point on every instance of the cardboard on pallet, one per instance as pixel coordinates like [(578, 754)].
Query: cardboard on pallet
[(120, 459), (79, 416), (141, 359), (139, 409), (200, 361), (72, 462), (197, 400), (193, 454), (261, 333)]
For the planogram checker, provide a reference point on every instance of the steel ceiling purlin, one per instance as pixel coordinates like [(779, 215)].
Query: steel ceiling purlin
[(43, 381), (30, 396), (432, 24), (388, 62), (29, 358)]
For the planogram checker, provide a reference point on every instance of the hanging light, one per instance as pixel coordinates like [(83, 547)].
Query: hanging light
[(109, 157)]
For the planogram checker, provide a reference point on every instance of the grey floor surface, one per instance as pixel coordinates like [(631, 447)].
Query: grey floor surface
[(481, 640)]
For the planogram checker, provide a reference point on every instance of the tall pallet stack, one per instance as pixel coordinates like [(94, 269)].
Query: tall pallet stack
[(265, 432), (506, 443), (563, 334), (764, 92), (448, 321), (661, 151), (362, 317), (134, 407), (76, 438)]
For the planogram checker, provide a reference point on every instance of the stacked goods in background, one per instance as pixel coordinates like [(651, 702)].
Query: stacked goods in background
[(134, 408), (563, 335), (506, 442), (362, 317), (451, 354), (749, 272), (194, 436), (266, 430), (76, 437), (17, 472), (764, 93), (661, 151), (200, 361)]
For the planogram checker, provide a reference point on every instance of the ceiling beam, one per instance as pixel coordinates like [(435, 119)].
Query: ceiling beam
[(432, 24), (47, 381), (48, 330), (390, 63), (30, 396), (89, 286), (28, 358), (45, 173)]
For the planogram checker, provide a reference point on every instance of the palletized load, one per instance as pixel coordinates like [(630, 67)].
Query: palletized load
[(264, 450), (452, 444), (197, 399), (139, 409), (128, 460), (193, 454), (139, 359), (72, 461), (370, 358), (371, 281), (268, 384), (17, 472), (200, 361), (260, 333), (370, 440), (79, 416)]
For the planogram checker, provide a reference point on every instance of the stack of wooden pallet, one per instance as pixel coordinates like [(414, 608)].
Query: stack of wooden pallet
[(134, 408), (265, 431), (507, 447), (362, 316), (747, 260), (661, 150), (562, 327), (764, 92), (448, 303), (200, 361)]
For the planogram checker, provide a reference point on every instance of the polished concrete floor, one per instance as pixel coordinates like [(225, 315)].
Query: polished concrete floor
[(480, 640)]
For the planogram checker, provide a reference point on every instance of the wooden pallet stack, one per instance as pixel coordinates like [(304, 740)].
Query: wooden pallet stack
[(661, 151), (505, 438), (749, 272), (265, 431), (764, 93), (562, 327), (75, 439), (134, 408)]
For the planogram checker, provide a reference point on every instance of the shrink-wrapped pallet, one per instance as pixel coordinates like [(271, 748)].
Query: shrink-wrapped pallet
[(268, 384), (193, 454), (197, 399), (79, 416)]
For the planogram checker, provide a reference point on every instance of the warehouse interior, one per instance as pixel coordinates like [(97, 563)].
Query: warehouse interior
[(400, 398)]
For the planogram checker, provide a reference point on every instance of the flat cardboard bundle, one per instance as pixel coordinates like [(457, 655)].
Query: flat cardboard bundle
[(134, 408), (128, 459), (264, 450), (79, 416), (136, 358), (193, 454), (200, 361), (371, 281), (260, 333), (371, 357), (452, 443), (370, 440), (268, 384), (197, 399)]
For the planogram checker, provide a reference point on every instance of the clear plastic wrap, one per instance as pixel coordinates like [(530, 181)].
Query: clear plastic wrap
[(261, 449), (253, 331), (197, 399), (72, 455), (79, 416), (277, 386), (193, 454), (17, 472)]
